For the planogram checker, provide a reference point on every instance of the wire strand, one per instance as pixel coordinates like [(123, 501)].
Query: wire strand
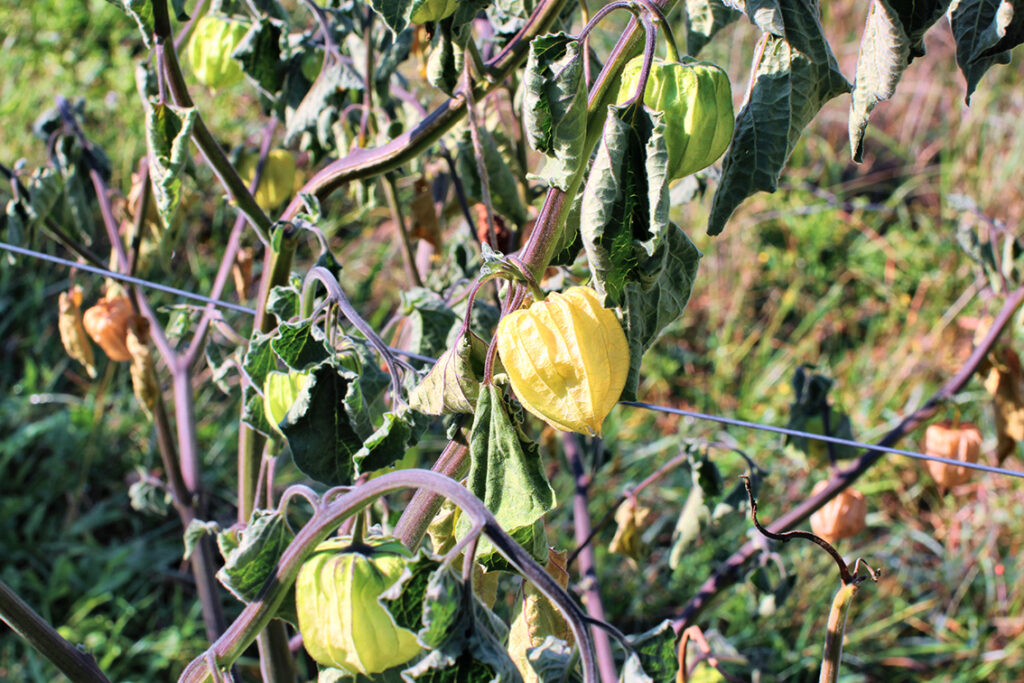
[(126, 278), (636, 404), (821, 437)]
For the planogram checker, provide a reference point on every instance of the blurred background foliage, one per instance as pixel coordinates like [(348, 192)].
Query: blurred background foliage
[(851, 268)]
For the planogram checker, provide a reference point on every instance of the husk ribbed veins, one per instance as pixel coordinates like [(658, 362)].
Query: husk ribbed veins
[(566, 358), (341, 622)]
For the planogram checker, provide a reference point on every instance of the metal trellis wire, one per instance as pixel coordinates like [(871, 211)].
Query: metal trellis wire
[(635, 404)]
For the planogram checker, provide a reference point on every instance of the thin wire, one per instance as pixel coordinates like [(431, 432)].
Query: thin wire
[(636, 404), (822, 437), (126, 278)]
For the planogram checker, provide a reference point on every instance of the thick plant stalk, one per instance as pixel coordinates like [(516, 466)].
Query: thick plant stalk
[(836, 631), (731, 570), (26, 622), (588, 565)]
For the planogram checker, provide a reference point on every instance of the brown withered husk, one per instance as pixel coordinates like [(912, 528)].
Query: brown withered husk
[(144, 381), (107, 324), (72, 332), (842, 517)]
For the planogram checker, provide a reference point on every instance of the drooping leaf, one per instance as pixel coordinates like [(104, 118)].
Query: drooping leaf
[(259, 360), (505, 472), (555, 105), (764, 14), (705, 18), (625, 202), (404, 600), (168, 129), (536, 619), (985, 31), (196, 530), (504, 197), (794, 76), (260, 55), (300, 345), (808, 413), (453, 384), (142, 12), (552, 662), (631, 520), (641, 263), (387, 444), (251, 554), (654, 658), (465, 638), (893, 36), (323, 432), (657, 297)]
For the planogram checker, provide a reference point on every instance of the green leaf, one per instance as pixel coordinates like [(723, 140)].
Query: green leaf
[(323, 432), (985, 31), (553, 662), (464, 637), (387, 444), (555, 106), (453, 384), (251, 554), (260, 360), (505, 472), (641, 263), (195, 531), (168, 129), (807, 414), (657, 297), (625, 202), (283, 302), (142, 12), (893, 36), (705, 18), (765, 14), (404, 600), (654, 658), (447, 53), (395, 13), (794, 76), (430, 321), (300, 345), (503, 184), (260, 55)]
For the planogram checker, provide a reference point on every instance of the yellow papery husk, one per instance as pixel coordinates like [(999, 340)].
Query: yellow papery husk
[(567, 359), (342, 624)]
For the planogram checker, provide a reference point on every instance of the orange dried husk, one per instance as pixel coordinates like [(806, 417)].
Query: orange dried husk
[(567, 359), (962, 442), (72, 333), (107, 324), (841, 517)]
